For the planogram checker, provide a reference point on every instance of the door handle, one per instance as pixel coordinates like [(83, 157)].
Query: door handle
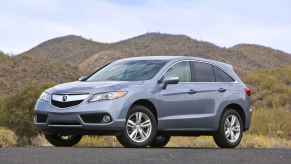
[(221, 90), (191, 91)]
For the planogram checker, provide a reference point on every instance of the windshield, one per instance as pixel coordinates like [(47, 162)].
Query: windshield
[(135, 70)]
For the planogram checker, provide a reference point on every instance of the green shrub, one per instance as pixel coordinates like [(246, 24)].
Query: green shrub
[(272, 88), (17, 112)]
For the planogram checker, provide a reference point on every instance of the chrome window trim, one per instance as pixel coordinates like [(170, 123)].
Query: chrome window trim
[(174, 65), (201, 61)]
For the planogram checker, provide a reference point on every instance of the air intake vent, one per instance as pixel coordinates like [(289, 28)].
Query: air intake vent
[(93, 117), (41, 118)]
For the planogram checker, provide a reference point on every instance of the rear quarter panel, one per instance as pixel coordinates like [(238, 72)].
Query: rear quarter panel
[(235, 96)]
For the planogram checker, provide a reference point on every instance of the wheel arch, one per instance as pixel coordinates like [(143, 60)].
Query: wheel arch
[(147, 103), (237, 108)]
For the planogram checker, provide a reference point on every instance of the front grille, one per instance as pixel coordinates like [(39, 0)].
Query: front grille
[(41, 118), (65, 104), (92, 117)]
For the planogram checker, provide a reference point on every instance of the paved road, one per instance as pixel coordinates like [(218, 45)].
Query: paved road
[(52, 155)]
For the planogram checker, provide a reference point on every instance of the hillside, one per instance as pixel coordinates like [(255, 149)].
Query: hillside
[(66, 58), (165, 44), (18, 72), (265, 56), (68, 49)]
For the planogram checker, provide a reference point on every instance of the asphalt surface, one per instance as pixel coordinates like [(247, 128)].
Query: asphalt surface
[(51, 155)]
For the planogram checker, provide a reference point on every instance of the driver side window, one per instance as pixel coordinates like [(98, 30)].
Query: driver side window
[(182, 70)]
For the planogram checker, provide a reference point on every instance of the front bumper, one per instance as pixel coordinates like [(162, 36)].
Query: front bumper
[(70, 120)]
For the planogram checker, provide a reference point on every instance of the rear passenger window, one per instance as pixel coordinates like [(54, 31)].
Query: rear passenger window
[(202, 72), (222, 76), (181, 70)]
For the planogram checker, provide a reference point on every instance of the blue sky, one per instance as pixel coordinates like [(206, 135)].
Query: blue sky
[(26, 23)]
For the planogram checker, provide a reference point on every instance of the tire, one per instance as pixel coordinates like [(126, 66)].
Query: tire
[(227, 137), (59, 140), (131, 135), (160, 141)]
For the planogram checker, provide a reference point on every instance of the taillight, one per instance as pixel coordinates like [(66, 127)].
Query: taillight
[(248, 91)]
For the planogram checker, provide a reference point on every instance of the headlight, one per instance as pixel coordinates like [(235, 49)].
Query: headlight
[(107, 96), (44, 96)]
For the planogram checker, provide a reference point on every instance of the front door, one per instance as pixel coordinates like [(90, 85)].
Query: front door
[(176, 101)]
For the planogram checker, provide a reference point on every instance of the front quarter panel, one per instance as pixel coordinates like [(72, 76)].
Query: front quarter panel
[(135, 93)]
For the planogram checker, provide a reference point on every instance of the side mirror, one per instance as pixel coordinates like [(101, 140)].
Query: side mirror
[(170, 80), (82, 78)]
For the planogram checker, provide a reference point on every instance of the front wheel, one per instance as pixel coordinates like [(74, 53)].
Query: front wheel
[(140, 128), (230, 130), (62, 140)]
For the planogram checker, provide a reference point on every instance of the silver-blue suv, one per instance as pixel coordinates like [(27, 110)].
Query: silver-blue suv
[(144, 101)]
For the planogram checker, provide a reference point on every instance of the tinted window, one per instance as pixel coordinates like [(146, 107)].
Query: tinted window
[(181, 70), (222, 76), (202, 72), (136, 70)]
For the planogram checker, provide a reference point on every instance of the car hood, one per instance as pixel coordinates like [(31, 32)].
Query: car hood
[(91, 87)]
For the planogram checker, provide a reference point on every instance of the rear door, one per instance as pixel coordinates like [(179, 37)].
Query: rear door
[(210, 89)]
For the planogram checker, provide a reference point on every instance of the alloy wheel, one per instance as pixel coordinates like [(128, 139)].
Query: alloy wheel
[(139, 127), (232, 128)]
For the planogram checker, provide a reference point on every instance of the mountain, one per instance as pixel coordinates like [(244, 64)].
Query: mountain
[(166, 44), (68, 49), (66, 58)]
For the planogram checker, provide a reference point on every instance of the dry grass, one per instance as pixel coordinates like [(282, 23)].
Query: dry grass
[(249, 141), (7, 138), (260, 141), (98, 141), (271, 122)]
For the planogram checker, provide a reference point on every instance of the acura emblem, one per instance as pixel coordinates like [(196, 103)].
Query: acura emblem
[(65, 98)]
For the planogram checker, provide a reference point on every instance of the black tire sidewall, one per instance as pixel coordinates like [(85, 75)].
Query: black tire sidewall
[(160, 141)]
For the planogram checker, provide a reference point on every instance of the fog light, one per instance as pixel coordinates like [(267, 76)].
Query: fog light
[(106, 119)]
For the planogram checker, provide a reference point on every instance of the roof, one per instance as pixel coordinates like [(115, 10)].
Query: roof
[(153, 58), (177, 58), (226, 67)]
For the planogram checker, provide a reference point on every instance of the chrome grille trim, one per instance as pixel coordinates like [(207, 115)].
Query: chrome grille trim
[(69, 97), (65, 100)]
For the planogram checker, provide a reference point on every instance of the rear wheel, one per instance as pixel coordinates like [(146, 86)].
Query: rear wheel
[(140, 128), (230, 130), (63, 140), (160, 141)]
